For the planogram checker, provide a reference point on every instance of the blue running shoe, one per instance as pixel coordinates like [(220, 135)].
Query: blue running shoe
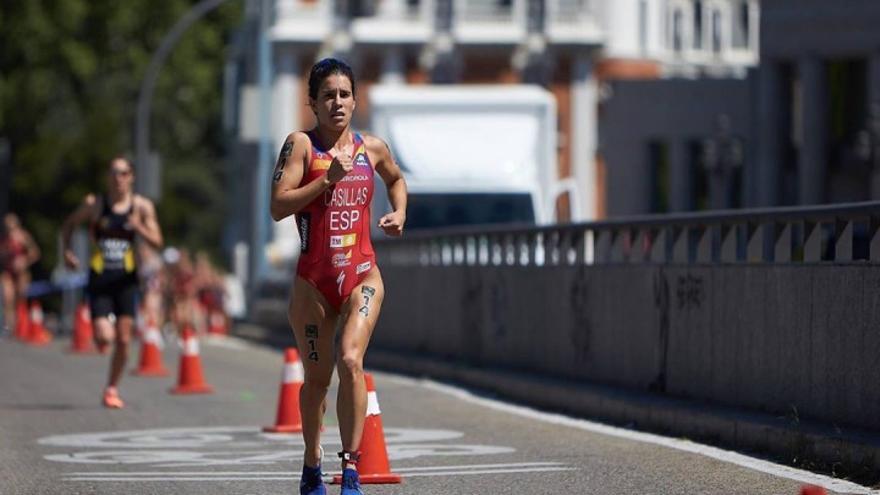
[(311, 483), (351, 484)]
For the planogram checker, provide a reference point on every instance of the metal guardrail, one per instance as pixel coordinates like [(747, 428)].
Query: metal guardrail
[(840, 233)]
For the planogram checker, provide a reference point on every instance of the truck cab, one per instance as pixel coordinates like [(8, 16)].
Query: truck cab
[(470, 154)]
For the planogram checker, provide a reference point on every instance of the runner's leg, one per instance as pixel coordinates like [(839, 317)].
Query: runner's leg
[(101, 307), (314, 324), (124, 325), (9, 299), (361, 313)]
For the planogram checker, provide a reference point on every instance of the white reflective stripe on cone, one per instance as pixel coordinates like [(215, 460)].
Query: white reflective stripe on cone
[(293, 373), (373, 404), (191, 347), (37, 314), (153, 336)]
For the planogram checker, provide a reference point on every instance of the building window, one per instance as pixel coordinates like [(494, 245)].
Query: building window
[(362, 8), (741, 25), (698, 25), (412, 8), (677, 35), (445, 10), (536, 18), (851, 157), (643, 26), (488, 10), (658, 171), (716, 31), (790, 98), (698, 165)]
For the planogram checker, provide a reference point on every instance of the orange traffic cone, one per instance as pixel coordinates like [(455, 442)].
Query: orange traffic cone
[(812, 490), (288, 419), (38, 334), (190, 379), (81, 342), (151, 352), (22, 321), (216, 322), (373, 466)]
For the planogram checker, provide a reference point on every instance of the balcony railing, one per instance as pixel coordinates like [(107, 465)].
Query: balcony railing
[(302, 20), (470, 21), (486, 11), (572, 21), (570, 11), (842, 233), (489, 21)]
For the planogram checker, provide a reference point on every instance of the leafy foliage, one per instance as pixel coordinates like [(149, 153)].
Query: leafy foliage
[(70, 71)]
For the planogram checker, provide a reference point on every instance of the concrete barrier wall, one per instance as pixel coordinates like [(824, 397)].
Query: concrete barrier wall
[(796, 340)]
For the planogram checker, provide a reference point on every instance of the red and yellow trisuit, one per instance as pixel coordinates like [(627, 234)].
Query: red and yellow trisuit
[(335, 228)]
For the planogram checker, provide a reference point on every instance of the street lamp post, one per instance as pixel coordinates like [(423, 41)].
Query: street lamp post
[(260, 199), (149, 169)]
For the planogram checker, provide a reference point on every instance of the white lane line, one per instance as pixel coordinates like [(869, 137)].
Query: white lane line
[(270, 473), (827, 482), (481, 466), (494, 471), (172, 478), (296, 477), (261, 473)]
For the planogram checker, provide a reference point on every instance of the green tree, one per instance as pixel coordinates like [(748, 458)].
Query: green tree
[(70, 71)]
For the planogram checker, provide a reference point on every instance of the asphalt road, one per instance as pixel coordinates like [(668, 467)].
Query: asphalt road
[(55, 438)]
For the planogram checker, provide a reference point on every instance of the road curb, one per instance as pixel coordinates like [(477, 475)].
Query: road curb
[(844, 452)]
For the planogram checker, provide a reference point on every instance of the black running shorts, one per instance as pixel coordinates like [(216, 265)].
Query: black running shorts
[(119, 298)]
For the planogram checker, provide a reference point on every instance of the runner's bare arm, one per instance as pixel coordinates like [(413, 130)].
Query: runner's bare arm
[(288, 197), (32, 249), (84, 212), (146, 224), (387, 168)]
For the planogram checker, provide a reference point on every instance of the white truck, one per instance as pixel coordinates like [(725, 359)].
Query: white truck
[(472, 154)]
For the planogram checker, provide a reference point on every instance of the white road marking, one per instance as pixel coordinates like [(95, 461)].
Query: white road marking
[(479, 466), (194, 478), (226, 437), (282, 477), (493, 471), (827, 482), (278, 473), (231, 447), (190, 459)]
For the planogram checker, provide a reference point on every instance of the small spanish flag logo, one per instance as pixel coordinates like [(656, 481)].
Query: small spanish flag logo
[(320, 164), (341, 241)]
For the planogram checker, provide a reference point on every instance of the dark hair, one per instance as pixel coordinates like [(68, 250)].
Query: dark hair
[(327, 67), (122, 157)]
